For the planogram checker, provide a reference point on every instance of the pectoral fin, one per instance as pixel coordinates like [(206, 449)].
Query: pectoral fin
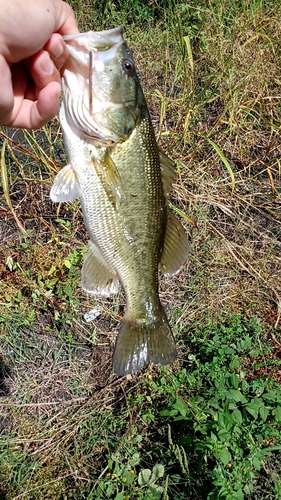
[(110, 178), (168, 172), (97, 277), (65, 186), (176, 246)]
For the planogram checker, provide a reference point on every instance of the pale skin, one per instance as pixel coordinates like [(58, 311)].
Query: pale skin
[(32, 52)]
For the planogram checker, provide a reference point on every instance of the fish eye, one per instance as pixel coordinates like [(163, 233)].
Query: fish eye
[(128, 66)]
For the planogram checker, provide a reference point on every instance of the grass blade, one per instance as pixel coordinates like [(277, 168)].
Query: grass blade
[(187, 48), (5, 184), (224, 161)]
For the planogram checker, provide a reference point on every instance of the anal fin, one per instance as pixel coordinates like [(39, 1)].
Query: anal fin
[(98, 278), (176, 246)]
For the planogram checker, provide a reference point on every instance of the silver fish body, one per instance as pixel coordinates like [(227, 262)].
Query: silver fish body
[(122, 180)]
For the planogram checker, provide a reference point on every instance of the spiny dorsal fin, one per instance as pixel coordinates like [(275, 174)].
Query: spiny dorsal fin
[(168, 172), (176, 246), (98, 278), (65, 186)]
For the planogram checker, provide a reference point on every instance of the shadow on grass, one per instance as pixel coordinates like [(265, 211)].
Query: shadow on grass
[(5, 374)]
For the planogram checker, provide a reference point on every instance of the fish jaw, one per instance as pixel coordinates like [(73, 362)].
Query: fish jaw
[(96, 40)]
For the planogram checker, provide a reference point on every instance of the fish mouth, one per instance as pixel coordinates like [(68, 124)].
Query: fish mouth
[(98, 40)]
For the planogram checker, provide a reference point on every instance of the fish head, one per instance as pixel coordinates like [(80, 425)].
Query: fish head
[(102, 95)]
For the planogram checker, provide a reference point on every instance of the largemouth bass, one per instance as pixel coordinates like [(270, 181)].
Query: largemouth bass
[(122, 180)]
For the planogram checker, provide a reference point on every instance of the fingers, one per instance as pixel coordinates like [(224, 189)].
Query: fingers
[(34, 114), (58, 50), (26, 103), (31, 103), (46, 107), (42, 70), (30, 86)]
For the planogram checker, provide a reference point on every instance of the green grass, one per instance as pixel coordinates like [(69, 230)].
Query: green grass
[(209, 426)]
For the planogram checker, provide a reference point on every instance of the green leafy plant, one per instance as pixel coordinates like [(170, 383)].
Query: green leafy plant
[(119, 481), (231, 423)]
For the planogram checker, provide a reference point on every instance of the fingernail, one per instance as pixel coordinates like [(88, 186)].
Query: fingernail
[(47, 66), (59, 50)]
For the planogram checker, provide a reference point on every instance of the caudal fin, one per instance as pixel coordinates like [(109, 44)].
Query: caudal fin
[(139, 342)]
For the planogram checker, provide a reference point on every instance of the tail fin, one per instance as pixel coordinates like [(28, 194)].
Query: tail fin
[(139, 342)]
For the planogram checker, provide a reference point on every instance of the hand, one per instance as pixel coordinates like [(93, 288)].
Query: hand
[(32, 51)]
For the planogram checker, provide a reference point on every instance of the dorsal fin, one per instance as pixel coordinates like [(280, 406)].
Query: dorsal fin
[(168, 172)]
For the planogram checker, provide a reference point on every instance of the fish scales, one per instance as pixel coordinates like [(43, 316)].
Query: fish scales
[(119, 232), (144, 197), (121, 179)]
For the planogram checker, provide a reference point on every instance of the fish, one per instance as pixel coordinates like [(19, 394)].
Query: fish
[(122, 180)]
